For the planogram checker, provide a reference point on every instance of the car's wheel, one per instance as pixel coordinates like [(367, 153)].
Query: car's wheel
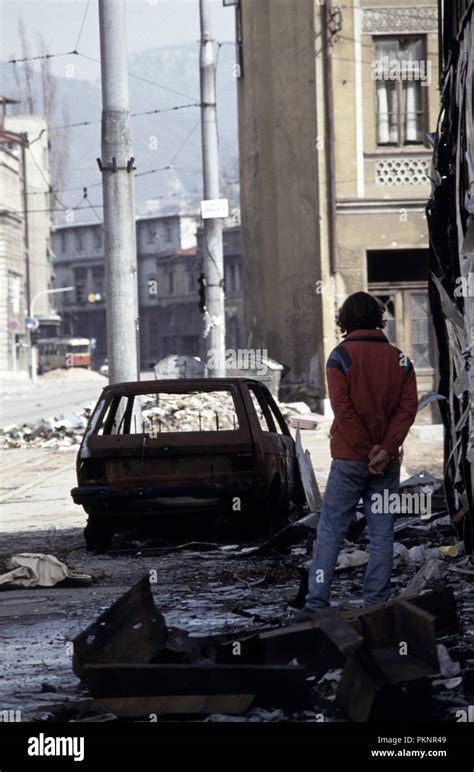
[(97, 533)]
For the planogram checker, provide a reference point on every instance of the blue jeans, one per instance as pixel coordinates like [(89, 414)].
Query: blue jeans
[(348, 482)]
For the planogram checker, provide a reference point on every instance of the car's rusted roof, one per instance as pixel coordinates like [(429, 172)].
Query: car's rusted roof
[(177, 384)]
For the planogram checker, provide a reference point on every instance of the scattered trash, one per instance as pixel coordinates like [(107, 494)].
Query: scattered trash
[(419, 554), (34, 569), (351, 559), (448, 668), (133, 665), (432, 570), (308, 477), (307, 421)]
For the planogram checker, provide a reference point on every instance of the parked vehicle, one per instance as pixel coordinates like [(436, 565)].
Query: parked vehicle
[(55, 353), (205, 452), (104, 368)]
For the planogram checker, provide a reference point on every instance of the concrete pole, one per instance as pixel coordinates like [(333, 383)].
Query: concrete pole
[(214, 315), (116, 166), (24, 145)]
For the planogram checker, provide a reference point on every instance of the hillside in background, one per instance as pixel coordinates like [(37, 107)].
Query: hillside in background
[(159, 140)]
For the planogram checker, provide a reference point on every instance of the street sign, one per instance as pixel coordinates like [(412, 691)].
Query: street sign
[(13, 325), (31, 323), (214, 207)]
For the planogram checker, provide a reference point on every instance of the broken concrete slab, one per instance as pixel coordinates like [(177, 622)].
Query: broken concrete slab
[(428, 573)]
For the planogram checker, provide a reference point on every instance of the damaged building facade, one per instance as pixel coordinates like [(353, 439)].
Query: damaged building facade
[(335, 164), (451, 223)]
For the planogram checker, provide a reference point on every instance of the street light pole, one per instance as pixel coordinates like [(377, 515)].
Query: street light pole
[(32, 309), (116, 165), (214, 311)]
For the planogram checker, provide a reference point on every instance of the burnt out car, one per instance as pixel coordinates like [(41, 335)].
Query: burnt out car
[(186, 455)]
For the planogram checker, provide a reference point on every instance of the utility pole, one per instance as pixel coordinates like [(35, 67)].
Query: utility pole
[(214, 311), (24, 145), (116, 166)]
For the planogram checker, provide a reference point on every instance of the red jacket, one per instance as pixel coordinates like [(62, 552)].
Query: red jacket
[(372, 389)]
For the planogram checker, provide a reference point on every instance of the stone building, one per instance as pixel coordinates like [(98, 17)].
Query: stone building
[(12, 264), (169, 262), (25, 231), (336, 103)]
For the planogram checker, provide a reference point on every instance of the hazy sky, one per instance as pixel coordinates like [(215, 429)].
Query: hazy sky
[(150, 23)]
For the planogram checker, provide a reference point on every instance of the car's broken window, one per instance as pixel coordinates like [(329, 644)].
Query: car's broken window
[(156, 413), (262, 417)]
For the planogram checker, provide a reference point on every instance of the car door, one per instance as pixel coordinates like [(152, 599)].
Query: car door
[(273, 443)]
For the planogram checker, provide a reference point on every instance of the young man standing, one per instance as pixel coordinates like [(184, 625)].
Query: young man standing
[(372, 389)]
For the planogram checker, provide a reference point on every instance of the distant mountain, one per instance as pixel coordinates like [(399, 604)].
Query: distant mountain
[(158, 139)]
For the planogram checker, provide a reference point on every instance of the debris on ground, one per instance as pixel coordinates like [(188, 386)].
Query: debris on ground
[(74, 374), (133, 665), (34, 569), (307, 475), (53, 433)]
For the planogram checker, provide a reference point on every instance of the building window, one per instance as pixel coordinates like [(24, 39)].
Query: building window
[(98, 282), (237, 277), (79, 241), (151, 234), (97, 239), (168, 233), (402, 72), (191, 284), (80, 284), (62, 238), (399, 278), (421, 334), (14, 292), (228, 278), (233, 333), (169, 282)]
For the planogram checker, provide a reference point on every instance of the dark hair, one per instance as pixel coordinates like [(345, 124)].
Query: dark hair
[(361, 311)]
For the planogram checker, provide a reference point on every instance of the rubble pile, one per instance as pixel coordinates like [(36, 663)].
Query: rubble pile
[(208, 411), (203, 411), (74, 374), (200, 411), (53, 433), (343, 665)]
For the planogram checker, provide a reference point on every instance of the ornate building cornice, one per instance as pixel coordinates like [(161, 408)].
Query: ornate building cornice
[(399, 20)]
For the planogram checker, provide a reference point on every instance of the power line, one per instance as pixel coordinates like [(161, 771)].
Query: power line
[(139, 77), (75, 52), (35, 58), (86, 198), (132, 115), (47, 182), (185, 141), (82, 26)]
